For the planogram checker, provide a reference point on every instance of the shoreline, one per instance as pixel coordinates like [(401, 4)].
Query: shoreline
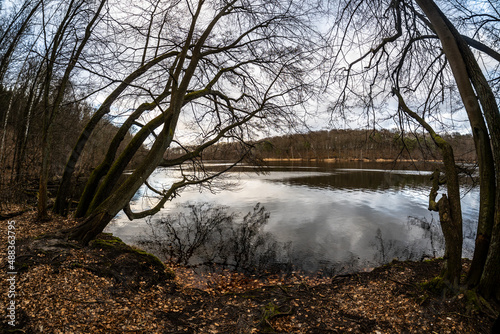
[(332, 160)]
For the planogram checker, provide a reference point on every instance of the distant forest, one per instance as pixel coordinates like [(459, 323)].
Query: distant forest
[(21, 140), (350, 145)]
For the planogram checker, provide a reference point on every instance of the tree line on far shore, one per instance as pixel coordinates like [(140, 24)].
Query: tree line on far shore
[(350, 144)]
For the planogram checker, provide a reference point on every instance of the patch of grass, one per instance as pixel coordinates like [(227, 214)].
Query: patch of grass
[(435, 285), (153, 260), (111, 243), (429, 260), (269, 312)]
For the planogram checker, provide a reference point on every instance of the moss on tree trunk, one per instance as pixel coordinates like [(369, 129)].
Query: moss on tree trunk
[(449, 208), (466, 72)]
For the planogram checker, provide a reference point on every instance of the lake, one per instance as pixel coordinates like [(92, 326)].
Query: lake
[(333, 217)]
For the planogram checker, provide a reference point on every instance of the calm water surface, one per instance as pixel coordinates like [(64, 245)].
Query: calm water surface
[(335, 217)]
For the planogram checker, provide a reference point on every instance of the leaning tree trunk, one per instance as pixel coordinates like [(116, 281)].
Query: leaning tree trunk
[(99, 218), (479, 130), (64, 188), (449, 208), (96, 191), (488, 284), (482, 268)]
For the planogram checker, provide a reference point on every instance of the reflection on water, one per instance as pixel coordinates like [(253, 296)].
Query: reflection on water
[(336, 217), (359, 179)]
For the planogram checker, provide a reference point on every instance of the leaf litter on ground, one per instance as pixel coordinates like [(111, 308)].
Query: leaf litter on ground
[(70, 290)]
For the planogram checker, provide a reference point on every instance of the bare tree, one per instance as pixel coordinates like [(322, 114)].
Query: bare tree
[(15, 29), (414, 47), (68, 26), (15, 25), (448, 206), (226, 69)]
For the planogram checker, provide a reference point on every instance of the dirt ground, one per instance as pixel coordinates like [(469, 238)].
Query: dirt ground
[(110, 287)]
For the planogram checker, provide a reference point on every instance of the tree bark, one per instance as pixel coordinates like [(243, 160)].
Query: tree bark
[(98, 219), (42, 213), (91, 227), (64, 187), (479, 130), (452, 231), (449, 207), (94, 193), (492, 116)]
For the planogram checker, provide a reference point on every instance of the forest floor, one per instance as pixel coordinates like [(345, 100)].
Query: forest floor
[(110, 287)]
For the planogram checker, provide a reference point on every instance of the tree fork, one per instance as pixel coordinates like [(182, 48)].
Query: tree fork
[(104, 109), (99, 218), (490, 269), (90, 227), (449, 207), (112, 170)]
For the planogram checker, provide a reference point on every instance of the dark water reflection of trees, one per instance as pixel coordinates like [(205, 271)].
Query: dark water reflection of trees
[(362, 180), (205, 236), (318, 217), (367, 175)]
